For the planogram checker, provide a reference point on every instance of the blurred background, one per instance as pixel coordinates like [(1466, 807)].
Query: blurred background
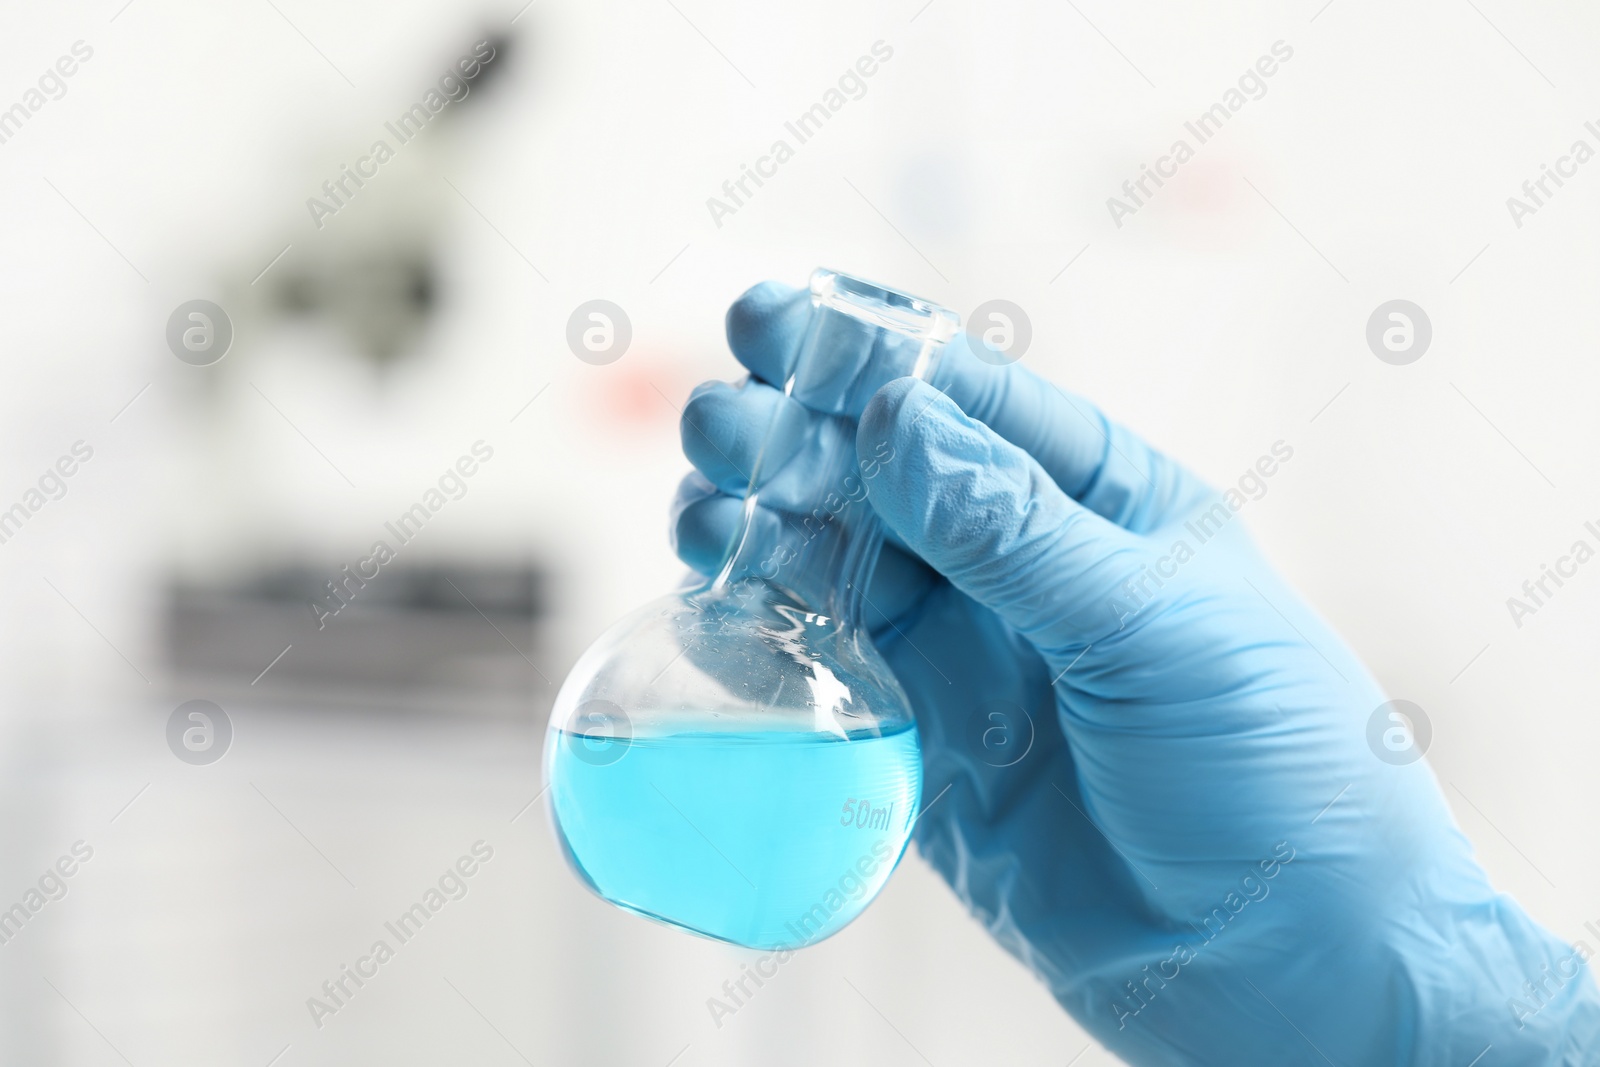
[(422, 316)]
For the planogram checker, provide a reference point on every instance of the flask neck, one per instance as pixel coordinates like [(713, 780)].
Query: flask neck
[(808, 530), (820, 558)]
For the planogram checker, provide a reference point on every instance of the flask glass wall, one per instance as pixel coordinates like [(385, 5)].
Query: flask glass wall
[(738, 760)]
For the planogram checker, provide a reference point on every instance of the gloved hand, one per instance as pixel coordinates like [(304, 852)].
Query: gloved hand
[(1199, 852)]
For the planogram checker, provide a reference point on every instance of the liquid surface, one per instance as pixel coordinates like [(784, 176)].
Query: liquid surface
[(768, 840)]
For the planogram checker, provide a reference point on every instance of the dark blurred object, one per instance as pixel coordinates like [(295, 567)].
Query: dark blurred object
[(491, 73), (425, 636), (380, 298), (373, 272)]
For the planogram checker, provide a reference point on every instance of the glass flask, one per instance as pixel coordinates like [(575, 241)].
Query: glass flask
[(737, 759)]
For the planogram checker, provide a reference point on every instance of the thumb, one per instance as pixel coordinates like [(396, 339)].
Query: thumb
[(984, 514)]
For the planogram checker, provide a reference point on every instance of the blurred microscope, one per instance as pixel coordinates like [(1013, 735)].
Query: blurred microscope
[(354, 314)]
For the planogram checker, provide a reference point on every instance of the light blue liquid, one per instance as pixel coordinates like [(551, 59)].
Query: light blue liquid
[(765, 839)]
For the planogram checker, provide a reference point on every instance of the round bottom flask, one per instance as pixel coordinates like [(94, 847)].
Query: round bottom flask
[(738, 760)]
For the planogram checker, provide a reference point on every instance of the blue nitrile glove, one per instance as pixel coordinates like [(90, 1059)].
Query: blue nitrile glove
[(1200, 851)]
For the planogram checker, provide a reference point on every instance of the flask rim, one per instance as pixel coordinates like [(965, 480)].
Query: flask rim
[(883, 306)]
